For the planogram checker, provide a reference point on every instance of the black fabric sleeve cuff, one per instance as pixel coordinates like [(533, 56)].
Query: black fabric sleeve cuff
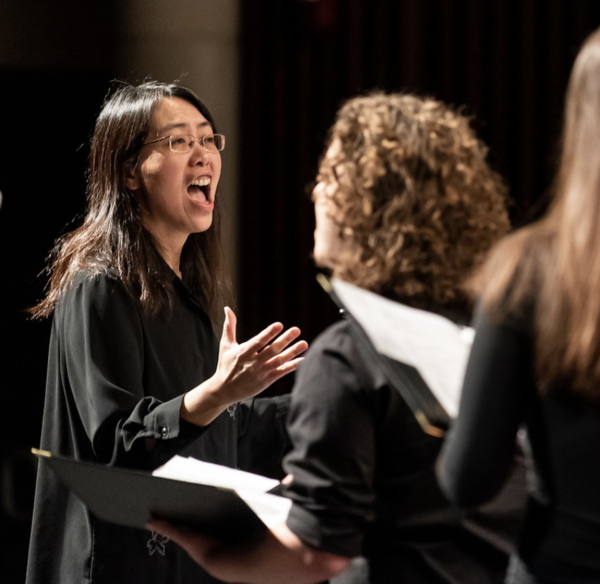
[(165, 422), (334, 539)]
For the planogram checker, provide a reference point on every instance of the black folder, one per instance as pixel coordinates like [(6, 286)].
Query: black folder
[(426, 408), (131, 498)]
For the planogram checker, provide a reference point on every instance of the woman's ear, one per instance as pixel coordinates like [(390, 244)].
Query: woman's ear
[(131, 179)]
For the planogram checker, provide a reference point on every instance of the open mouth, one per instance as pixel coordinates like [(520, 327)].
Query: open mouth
[(200, 189)]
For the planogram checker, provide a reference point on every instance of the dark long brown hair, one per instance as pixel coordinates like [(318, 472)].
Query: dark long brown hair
[(112, 236), (553, 266), (417, 204)]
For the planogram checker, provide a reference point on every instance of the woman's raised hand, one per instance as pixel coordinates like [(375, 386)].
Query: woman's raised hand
[(249, 368), (244, 369)]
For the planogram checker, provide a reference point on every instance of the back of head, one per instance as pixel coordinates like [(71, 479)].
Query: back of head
[(417, 204), (576, 201), (553, 266), (570, 306)]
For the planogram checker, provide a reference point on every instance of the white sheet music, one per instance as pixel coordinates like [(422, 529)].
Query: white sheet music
[(250, 487), (434, 345)]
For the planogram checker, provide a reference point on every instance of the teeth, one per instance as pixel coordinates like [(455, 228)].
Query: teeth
[(202, 181)]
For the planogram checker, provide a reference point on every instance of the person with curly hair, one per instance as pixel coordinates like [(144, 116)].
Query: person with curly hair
[(406, 206), (534, 370)]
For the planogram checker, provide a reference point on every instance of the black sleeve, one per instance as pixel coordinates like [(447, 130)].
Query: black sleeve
[(102, 365), (263, 437), (477, 456), (332, 461)]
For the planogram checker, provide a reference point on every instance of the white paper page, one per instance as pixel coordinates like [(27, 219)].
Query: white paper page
[(192, 470), (271, 509), (434, 345)]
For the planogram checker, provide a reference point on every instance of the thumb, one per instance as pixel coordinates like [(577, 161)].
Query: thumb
[(229, 326)]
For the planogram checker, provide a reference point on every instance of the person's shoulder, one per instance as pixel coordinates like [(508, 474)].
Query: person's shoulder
[(337, 338), (97, 288), (337, 365), (100, 281), (341, 343)]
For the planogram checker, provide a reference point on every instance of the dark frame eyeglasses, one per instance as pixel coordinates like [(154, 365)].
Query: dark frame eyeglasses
[(185, 142)]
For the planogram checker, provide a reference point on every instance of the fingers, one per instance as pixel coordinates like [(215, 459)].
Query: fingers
[(229, 326), (275, 374), (290, 353), (283, 341), (288, 367), (269, 349), (262, 339)]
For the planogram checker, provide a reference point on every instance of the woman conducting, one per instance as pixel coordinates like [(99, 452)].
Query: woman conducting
[(135, 373), (535, 362), (406, 206)]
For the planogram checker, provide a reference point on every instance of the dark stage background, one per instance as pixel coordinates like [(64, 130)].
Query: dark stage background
[(505, 61)]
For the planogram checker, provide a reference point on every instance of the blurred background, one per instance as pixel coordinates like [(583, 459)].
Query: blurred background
[(273, 73)]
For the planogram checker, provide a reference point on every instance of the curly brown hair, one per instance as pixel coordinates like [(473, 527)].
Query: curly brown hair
[(417, 204)]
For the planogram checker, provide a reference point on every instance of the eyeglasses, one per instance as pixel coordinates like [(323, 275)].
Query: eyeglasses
[(185, 142)]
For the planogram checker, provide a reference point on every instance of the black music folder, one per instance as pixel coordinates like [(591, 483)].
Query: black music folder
[(131, 498), (423, 355)]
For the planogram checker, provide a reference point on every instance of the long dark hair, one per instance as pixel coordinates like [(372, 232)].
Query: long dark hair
[(112, 236), (553, 266)]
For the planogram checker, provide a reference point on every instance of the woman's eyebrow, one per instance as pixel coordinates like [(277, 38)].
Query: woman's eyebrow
[(181, 125), (172, 127)]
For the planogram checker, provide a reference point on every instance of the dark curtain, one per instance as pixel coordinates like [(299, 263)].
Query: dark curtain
[(506, 62), (49, 98)]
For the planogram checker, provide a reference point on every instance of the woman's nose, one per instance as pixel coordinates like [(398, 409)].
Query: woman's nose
[(319, 190), (199, 154)]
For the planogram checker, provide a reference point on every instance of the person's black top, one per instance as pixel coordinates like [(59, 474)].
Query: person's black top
[(363, 475), (562, 532), (114, 390)]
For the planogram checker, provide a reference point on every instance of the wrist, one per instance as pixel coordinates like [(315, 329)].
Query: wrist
[(204, 403)]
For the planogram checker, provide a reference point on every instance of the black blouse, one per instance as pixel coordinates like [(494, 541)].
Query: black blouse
[(113, 395), (364, 481), (562, 530)]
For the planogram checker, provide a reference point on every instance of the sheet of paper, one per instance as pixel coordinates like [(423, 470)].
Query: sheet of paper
[(434, 345), (193, 470), (271, 509)]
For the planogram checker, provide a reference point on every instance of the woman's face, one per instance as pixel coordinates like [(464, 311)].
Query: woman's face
[(176, 190), (328, 242)]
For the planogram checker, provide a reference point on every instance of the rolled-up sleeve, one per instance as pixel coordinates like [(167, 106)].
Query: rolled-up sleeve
[(331, 427)]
